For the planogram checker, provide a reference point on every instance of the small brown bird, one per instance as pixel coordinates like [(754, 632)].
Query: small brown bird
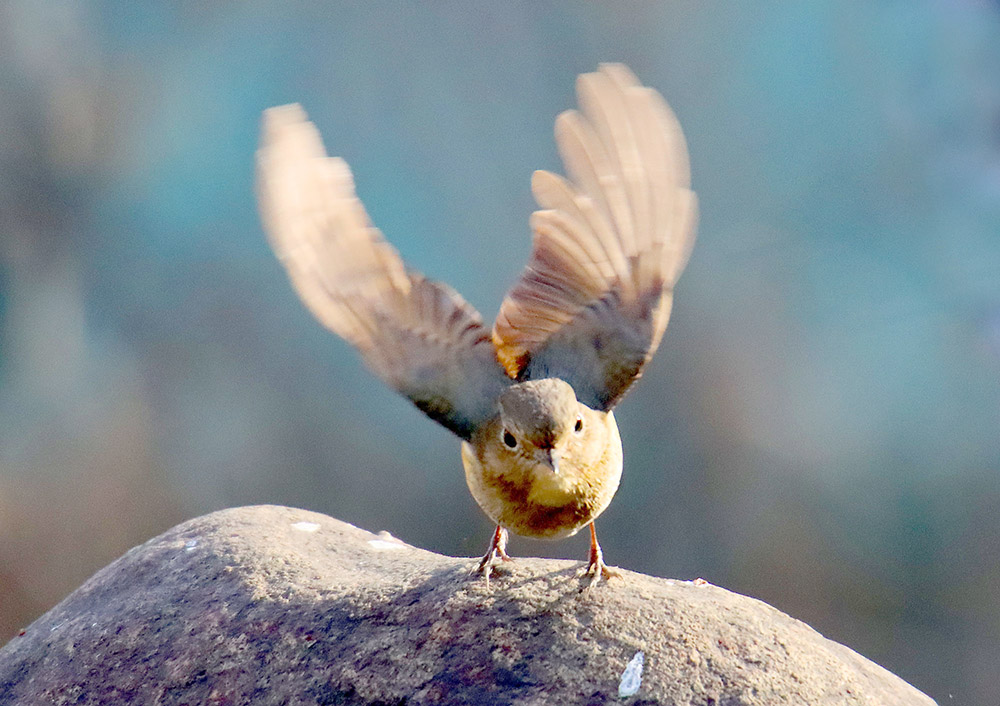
[(532, 402)]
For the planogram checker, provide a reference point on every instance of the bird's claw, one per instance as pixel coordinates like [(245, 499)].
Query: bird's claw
[(598, 570)]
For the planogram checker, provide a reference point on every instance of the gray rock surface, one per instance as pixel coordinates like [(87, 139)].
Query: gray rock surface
[(272, 605)]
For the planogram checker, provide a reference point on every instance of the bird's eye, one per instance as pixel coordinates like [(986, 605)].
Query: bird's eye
[(509, 439), (578, 427)]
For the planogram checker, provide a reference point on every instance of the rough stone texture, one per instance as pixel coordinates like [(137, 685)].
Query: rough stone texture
[(271, 605)]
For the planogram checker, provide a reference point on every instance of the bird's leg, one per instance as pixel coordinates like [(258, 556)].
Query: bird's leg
[(498, 548), (596, 567)]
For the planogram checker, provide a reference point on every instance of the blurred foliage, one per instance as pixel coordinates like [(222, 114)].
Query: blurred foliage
[(820, 428)]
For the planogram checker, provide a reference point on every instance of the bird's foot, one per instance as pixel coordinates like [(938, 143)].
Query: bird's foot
[(497, 550), (596, 568)]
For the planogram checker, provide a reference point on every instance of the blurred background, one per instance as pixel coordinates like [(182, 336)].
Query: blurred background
[(821, 428)]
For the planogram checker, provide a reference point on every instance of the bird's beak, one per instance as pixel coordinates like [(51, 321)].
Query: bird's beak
[(552, 460)]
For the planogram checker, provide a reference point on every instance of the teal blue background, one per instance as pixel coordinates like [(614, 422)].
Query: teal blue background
[(821, 428)]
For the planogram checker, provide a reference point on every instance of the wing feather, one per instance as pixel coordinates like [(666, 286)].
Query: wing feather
[(554, 193), (603, 105)]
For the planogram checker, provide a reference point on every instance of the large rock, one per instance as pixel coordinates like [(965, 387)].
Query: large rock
[(271, 605)]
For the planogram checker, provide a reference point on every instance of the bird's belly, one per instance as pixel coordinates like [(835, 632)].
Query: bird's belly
[(541, 505)]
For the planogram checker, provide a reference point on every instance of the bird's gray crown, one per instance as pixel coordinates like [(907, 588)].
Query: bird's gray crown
[(539, 410)]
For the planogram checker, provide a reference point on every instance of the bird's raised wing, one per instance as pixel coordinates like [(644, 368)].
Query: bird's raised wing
[(419, 336), (609, 243)]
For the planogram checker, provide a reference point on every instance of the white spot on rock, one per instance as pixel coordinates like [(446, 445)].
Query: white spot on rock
[(385, 541), (305, 526), (190, 545), (632, 676), (382, 544)]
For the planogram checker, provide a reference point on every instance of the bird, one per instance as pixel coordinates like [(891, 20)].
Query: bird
[(531, 399)]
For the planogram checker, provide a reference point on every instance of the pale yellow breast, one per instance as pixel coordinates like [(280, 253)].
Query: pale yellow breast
[(551, 490)]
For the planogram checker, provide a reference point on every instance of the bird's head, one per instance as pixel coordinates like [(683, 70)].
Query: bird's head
[(541, 419)]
